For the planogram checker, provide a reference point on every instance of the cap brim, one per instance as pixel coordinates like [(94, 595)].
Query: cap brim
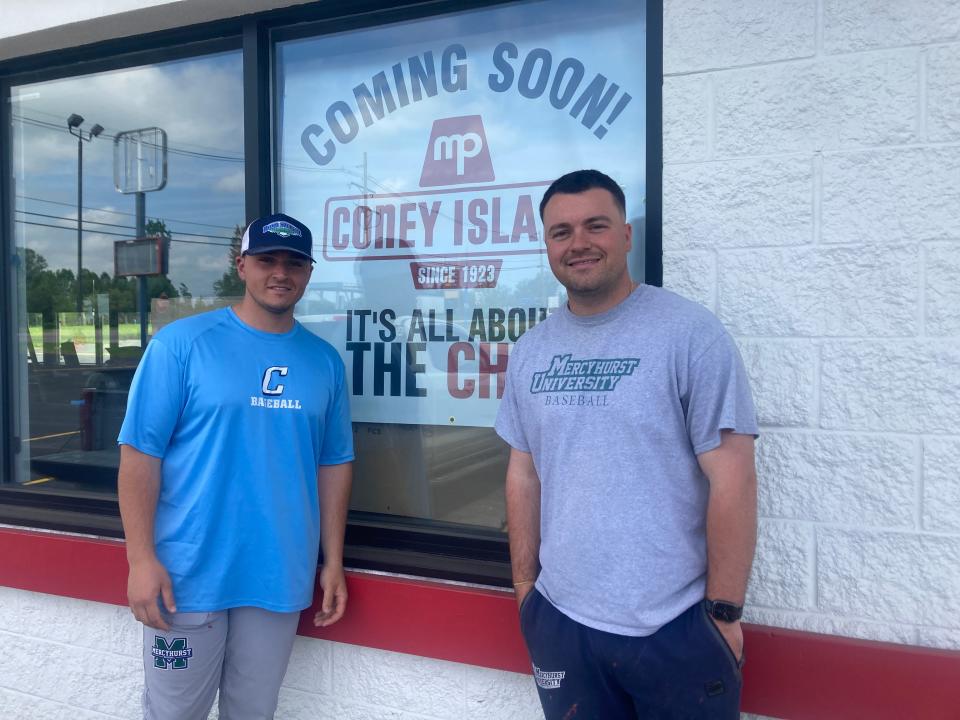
[(273, 248)]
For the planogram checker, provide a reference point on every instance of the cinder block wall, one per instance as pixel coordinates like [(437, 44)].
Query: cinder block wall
[(66, 658), (812, 200)]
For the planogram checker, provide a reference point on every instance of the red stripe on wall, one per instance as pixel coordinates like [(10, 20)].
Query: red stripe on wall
[(447, 622), (788, 674), (793, 674), (65, 565)]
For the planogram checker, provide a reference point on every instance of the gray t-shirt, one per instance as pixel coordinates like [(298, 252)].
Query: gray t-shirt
[(614, 408)]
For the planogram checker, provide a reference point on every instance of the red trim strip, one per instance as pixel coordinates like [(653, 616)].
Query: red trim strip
[(462, 624), (64, 565), (788, 674)]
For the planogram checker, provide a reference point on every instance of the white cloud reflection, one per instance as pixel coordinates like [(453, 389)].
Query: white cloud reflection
[(198, 102)]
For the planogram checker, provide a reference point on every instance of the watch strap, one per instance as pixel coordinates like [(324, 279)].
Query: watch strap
[(723, 610)]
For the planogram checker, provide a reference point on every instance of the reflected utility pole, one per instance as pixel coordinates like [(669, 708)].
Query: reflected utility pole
[(73, 125)]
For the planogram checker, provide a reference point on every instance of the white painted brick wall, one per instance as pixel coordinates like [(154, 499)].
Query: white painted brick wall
[(699, 34), (812, 200), (783, 373), (815, 291), (894, 386), (941, 487), (879, 196), (742, 203), (850, 479), (942, 287), (66, 658), (943, 100), (818, 104), (851, 25), (873, 574)]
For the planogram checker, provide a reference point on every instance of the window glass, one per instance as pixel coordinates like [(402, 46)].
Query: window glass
[(98, 162), (418, 152)]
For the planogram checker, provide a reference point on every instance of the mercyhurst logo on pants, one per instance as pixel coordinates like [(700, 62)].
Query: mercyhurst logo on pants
[(175, 655), (548, 680)]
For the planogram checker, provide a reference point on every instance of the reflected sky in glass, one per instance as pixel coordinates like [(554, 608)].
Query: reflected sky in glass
[(198, 102)]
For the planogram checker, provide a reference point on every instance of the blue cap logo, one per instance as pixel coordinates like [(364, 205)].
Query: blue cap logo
[(282, 228)]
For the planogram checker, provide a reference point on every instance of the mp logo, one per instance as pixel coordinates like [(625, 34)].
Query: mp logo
[(457, 153)]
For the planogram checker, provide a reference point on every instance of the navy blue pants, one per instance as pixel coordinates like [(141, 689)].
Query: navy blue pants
[(684, 670)]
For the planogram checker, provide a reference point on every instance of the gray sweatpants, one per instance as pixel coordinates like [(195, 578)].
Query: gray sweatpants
[(243, 652)]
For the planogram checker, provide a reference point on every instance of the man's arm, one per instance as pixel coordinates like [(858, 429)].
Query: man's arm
[(523, 521), (334, 483), (731, 524), (138, 487)]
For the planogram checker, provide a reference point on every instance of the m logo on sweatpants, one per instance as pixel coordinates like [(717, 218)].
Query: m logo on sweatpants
[(174, 655)]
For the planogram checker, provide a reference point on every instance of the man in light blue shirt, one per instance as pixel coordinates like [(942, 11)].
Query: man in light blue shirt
[(235, 469)]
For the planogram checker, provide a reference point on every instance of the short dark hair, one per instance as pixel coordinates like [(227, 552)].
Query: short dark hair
[(580, 181)]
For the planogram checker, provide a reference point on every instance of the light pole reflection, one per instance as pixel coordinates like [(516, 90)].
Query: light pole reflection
[(73, 125)]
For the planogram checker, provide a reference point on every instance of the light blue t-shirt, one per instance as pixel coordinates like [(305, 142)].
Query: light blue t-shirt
[(241, 419), (614, 409)]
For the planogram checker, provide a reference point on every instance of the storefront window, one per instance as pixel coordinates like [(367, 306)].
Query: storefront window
[(99, 161), (418, 152)]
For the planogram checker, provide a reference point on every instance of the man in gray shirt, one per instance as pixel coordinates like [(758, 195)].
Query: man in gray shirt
[(631, 488)]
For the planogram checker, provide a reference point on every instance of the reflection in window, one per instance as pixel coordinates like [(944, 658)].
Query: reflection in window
[(76, 209), (418, 152)]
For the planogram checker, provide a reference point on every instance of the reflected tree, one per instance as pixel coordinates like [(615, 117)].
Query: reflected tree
[(230, 284), (48, 291), (54, 291)]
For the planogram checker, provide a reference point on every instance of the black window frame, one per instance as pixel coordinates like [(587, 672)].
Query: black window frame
[(387, 543)]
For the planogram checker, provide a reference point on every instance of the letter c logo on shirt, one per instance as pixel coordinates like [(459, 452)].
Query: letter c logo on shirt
[(268, 378)]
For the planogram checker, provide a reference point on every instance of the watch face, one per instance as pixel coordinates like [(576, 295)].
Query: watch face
[(724, 611)]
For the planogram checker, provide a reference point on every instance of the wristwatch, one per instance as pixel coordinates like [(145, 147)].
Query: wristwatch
[(723, 611)]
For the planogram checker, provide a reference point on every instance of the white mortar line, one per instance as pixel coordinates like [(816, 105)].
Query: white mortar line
[(934, 341), (900, 530), (818, 30), (801, 247), (361, 702), (711, 118), (798, 154), (844, 525), (134, 656), (880, 434), (813, 594), (918, 476), (801, 615), (817, 199), (817, 385), (716, 282), (826, 152), (922, 130), (817, 57), (853, 148), (922, 292)]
